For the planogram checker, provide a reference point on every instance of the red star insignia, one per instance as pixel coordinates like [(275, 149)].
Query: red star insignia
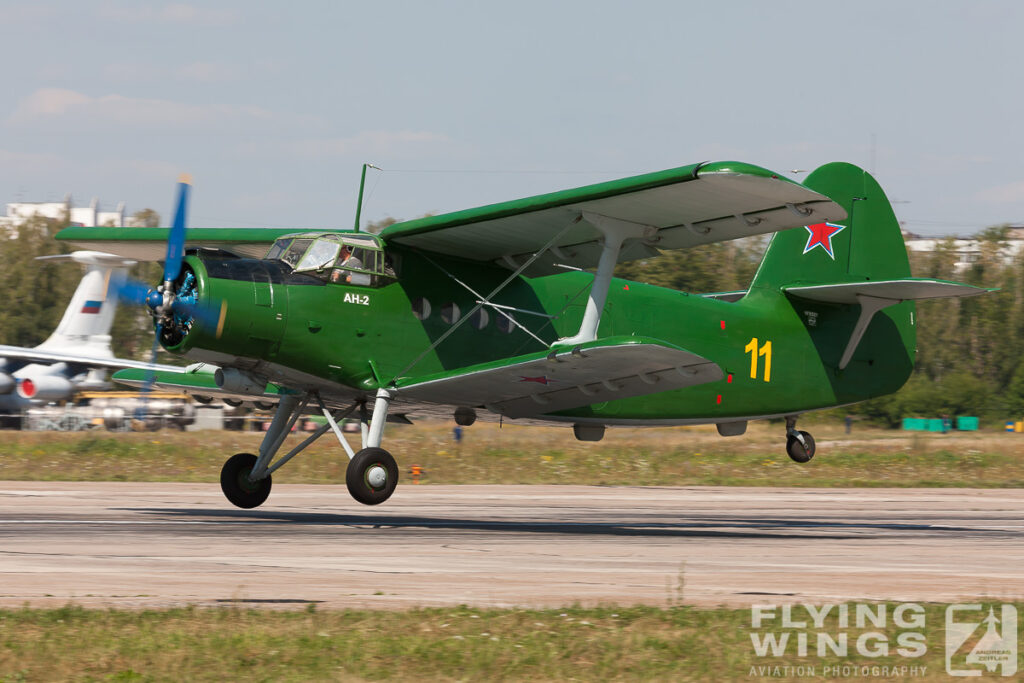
[(821, 235)]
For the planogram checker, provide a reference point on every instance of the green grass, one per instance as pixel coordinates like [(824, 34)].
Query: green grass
[(602, 644), (546, 455)]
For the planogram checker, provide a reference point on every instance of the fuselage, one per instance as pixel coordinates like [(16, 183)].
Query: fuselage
[(778, 356)]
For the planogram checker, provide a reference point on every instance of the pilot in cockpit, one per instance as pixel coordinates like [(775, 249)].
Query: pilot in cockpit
[(346, 263)]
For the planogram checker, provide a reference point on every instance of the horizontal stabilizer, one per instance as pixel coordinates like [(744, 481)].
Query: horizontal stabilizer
[(874, 295), (903, 289), (536, 384)]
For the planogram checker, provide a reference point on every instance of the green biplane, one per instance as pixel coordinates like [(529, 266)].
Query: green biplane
[(510, 311)]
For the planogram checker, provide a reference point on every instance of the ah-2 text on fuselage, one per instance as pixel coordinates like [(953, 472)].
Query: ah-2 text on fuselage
[(487, 312)]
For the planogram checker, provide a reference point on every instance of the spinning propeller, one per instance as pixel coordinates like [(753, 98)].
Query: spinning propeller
[(173, 304)]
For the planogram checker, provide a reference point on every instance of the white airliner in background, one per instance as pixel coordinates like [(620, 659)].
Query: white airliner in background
[(77, 355)]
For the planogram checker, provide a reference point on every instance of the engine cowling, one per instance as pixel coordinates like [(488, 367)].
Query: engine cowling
[(227, 305), (47, 388)]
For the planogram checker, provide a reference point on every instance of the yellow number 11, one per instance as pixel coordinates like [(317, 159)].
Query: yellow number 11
[(754, 352)]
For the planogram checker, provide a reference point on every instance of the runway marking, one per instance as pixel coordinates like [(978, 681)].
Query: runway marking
[(117, 521), (34, 493)]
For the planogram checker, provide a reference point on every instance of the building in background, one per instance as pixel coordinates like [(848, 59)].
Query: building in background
[(968, 249), (89, 216)]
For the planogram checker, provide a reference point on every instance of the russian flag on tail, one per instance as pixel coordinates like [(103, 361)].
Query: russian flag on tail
[(92, 307)]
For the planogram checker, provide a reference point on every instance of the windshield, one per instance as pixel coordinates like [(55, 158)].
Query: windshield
[(295, 252), (354, 259), (320, 255)]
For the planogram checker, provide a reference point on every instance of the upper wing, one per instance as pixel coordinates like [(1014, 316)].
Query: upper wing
[(540, 383), (680, 207), (150, 244)]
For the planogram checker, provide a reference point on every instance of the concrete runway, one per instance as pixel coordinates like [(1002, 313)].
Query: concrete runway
[(133, 545)]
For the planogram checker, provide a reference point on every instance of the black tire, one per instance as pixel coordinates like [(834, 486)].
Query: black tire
[(234, 482), (797, 451), (359, 469)]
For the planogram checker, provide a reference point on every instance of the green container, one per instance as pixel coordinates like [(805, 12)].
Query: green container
[(915, 424), (935, 425), (967, 424)]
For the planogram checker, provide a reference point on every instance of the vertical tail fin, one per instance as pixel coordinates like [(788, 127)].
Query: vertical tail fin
[(85, 327), (867, 245)]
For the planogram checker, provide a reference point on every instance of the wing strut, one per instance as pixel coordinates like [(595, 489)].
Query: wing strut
[(615, 232)]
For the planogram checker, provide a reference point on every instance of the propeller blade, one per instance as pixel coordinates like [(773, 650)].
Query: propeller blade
[(176, 239), (147, 387), (209, 318), (130, 291)]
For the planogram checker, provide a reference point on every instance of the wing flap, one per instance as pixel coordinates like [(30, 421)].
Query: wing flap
[(605, 370)]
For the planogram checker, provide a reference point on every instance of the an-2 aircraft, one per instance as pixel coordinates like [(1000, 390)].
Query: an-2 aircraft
[(490, 312)]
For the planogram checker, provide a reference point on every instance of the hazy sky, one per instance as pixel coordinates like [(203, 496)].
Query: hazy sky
[(273, 107)]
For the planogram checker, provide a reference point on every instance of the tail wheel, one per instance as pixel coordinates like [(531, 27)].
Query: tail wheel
[(236, 485), (800, 452), (372, 476)]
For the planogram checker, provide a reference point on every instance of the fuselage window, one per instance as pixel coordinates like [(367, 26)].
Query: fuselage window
[(480, 319), (421, 308), (504, 323), (450, 313)]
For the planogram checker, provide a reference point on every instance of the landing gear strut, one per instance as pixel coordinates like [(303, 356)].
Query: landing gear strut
[(372, 473), (799, 445)]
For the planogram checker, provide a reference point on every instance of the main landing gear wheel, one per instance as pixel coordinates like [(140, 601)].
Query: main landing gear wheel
[(371, 476), (800, 452), (236, 485)]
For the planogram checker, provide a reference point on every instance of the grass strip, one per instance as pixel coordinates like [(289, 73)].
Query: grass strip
[(545, 455), (454, 644)]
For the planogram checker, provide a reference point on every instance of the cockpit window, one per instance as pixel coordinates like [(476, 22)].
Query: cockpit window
[(319, 256), (280, 246), (345, 258), (295, 252)]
